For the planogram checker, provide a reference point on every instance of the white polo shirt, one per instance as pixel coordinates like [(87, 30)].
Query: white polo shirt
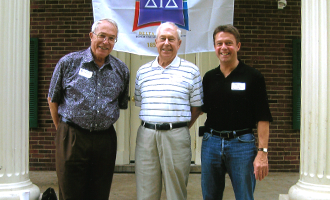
[(166, 95)]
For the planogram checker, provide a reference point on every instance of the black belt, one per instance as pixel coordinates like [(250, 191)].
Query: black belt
[(229, 134), (164, 126), (69, 122)]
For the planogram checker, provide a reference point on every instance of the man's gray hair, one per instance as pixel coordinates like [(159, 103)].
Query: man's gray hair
[(171, 23), (96, 24)]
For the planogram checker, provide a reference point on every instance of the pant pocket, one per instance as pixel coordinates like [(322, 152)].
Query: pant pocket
[(246, 138)]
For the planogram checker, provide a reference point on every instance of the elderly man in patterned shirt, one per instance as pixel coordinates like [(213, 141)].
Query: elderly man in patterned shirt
[(87, 90), (169, 92)]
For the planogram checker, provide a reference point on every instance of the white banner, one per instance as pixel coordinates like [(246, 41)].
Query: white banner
[(139, 19)]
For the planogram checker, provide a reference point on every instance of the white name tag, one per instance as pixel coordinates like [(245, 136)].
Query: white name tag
[(237, 86), (85, 73)]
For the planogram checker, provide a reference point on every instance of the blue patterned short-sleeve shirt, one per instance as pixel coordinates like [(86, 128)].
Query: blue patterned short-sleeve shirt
[(87, 95)]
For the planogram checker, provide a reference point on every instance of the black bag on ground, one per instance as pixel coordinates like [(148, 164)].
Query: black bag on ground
[(49, 194)]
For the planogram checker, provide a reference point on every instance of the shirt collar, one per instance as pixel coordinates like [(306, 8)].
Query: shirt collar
[(175, 63), (88, 57), (237, 69)]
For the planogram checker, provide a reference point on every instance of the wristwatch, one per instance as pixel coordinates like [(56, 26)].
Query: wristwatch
[(263, 149)]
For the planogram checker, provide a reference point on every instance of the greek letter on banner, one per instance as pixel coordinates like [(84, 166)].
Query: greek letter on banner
[(161, 10), (138, 21)]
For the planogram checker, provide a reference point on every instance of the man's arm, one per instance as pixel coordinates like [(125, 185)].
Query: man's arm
[(261, 161), (54, 112), (195, 112)]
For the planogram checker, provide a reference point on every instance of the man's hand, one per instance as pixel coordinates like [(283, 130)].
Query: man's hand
[(260, 165), (53, 107), (195, 112)]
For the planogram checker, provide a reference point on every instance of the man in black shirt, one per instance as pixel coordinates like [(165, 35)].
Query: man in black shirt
[(235, 101)]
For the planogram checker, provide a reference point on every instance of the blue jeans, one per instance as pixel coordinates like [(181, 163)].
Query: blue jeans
[(235, 157)]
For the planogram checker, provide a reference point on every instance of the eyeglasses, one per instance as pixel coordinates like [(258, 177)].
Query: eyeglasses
[(111, 39), (163, 39)]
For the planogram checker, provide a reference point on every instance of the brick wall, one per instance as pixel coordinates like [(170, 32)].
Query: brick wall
[(267, 34), (62, 26)]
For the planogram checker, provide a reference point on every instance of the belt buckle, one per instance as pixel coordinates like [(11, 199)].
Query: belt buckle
[(225, 134), (163, 126)]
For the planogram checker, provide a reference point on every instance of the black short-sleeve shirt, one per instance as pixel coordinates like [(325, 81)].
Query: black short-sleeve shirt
[(237, 101)]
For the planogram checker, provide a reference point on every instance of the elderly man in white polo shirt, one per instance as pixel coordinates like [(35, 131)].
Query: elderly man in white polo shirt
[(169, 92)]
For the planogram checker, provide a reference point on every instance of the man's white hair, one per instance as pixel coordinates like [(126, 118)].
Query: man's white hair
[(96, 24), (171, 23)]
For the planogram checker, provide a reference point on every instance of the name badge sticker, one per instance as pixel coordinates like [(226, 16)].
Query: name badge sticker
[(237, 86), (85, 73)]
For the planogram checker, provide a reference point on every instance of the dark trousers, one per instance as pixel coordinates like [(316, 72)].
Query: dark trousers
[(85, 162)]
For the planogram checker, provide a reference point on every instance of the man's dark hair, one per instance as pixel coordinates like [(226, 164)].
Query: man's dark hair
[(229, 29)]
